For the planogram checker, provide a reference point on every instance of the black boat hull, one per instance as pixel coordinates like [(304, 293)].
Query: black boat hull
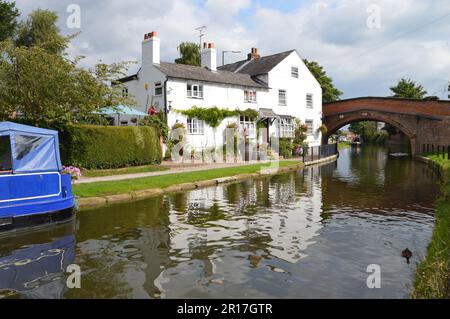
[(27, 222)]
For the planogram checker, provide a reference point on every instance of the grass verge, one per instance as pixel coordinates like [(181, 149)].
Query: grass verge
[(432, 279), (344, 145), (119, 187), (124, 171)]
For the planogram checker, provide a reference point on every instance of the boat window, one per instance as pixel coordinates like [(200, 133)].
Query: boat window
[(25, 144), (5, 154)]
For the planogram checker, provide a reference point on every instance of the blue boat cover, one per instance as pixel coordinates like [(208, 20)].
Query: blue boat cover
[(33, 149)]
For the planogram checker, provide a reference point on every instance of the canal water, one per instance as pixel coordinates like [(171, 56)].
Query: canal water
[(307, 234)]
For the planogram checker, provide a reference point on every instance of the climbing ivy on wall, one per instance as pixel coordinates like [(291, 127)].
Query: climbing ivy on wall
[(251, 113), (213, 116)]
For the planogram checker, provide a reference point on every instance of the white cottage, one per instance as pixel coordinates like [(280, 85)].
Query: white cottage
[(280, 87)]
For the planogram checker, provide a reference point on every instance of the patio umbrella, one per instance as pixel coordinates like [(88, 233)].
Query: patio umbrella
[(120, 110)]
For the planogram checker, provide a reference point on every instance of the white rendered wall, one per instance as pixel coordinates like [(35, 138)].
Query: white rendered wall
[(280, 79)]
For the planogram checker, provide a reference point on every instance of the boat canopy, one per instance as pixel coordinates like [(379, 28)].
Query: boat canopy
[(27, 149)]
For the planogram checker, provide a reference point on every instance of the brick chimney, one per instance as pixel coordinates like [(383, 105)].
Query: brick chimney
[(151, 49), (254, 54), (209, 57)]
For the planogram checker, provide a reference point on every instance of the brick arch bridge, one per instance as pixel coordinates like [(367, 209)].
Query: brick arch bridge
[(424, 122)]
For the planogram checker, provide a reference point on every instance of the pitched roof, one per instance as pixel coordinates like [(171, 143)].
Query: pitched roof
[(188, 72), (259, 66)]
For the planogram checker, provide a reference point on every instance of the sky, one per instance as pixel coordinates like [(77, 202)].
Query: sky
[(366, 46)]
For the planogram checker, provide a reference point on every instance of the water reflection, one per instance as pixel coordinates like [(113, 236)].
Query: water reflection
[(306, 234), (37, 270)]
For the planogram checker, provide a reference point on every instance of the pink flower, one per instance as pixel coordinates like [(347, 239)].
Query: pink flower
[(74, 172)]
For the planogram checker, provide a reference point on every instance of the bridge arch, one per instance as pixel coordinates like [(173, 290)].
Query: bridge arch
[(369, 116), (422, 121)]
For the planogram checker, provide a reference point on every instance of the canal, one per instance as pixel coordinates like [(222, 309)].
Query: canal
[(307, 234)]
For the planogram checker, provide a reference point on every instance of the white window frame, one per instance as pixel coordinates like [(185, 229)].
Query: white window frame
[(125, 92), (295, 72), (287, 128), (195, 126), (249, 124), (250, 96), (282, 101), (158, 85), (310, 100), (310, 131), (194, 91)]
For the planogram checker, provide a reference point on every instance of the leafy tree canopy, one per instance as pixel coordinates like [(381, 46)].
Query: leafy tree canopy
[(330, 92), (9, 15), (189, 54), (40, 30), (41, 86), (408, 89)]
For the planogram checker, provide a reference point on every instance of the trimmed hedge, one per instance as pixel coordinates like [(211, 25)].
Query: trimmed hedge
[(103, 147)]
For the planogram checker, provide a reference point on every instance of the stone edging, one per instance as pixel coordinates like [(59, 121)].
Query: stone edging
[(95, 202)]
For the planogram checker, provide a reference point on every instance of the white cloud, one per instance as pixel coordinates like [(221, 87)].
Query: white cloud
[(411, 42)]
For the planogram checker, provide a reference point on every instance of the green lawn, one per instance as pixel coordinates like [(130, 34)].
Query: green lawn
[(443, 163), (125, 186), (343, 145), (123, 171), (433, 273)]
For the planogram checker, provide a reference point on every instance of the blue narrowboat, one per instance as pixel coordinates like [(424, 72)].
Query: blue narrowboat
[(33, 190)]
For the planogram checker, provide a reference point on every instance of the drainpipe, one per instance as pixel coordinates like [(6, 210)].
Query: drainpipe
[(166, 111)]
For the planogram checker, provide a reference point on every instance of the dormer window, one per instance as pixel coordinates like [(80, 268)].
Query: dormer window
[(250, 96), (195, 91), (294, 72)]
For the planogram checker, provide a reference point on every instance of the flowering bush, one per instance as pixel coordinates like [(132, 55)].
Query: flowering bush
[(74, 172)]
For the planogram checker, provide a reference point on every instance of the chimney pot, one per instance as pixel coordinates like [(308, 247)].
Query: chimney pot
[(211, 46), (254, 54), (205, 45)]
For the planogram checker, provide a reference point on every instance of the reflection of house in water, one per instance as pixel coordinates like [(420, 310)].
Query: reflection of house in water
[(295, 218), (39, 270), (219, 228)]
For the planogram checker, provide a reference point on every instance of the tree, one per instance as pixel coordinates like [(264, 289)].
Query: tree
[(49, 90), (8, 19), (408, 89), (40, 30), (189, 54), (43, 87), (329, 92)]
